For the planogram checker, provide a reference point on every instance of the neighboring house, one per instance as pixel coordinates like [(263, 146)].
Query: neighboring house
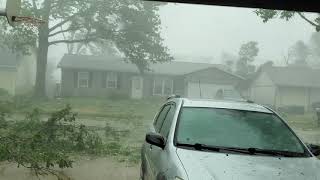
[(17, 74), (286, 86), (103, 76)]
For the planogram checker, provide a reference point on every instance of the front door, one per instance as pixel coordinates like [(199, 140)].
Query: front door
[(137, 87)]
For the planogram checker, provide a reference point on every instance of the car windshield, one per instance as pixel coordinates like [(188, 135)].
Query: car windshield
[(236, 129)]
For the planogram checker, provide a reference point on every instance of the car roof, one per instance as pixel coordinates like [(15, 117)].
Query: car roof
[(225, 104)]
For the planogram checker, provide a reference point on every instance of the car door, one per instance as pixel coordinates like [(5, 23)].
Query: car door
[(148, 148), (159, 156)]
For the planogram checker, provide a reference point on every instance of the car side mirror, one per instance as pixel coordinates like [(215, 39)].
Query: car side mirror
[(156, 139), (315, 149)]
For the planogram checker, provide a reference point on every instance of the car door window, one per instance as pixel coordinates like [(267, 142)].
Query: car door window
[(165, 128), (161, 116)]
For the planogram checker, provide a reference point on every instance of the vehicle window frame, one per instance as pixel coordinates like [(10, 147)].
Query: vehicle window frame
[(157, 117), (174, 107), (306, 151)]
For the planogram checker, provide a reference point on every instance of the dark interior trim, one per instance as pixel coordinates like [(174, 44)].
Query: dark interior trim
[(290, 5)]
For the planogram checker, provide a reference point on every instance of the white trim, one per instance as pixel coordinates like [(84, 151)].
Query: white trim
[(115, 80), (137, 93), (154, 87), (162, 87), (87, 79)]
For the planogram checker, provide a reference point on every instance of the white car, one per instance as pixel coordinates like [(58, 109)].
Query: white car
[(220, 140)]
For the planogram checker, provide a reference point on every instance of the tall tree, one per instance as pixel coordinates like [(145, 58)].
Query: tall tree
[(229, 60), (247, 54), (299, 53), (132, 25), (315, 44), (267, 15)]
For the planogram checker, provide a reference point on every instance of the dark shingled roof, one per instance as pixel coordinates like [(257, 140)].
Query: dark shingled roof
[(7, 59), (118, 64), (294, 76)]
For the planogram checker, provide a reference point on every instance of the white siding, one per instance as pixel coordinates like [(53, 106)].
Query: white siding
[(263, 90), (204, 90), (293, 96)]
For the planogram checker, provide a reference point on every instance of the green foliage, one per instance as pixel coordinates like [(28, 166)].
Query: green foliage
[(249, 51), (247, 54), (130, 26), (140, 38), (299, 53), (43, 145), (267, 15)]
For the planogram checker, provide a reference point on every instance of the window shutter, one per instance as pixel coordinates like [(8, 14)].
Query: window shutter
[(75, 79), (90, 79), (104, 80)]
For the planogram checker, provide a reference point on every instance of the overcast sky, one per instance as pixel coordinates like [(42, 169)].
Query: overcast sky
[(198, 30)]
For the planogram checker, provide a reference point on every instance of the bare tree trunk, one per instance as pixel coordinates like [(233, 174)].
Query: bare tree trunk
[(42, 53), (42, 56)]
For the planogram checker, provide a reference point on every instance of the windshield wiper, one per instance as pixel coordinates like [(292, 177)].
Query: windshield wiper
[(201, 147), (250, 151), (275, 152)]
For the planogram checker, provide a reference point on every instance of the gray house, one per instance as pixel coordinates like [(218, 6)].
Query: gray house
[(286, 86), (103, 76)]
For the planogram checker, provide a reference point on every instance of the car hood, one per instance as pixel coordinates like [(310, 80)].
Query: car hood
[(221, 166)]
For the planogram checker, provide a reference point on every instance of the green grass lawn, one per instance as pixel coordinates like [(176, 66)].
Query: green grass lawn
[(100, 107), (121, 123)]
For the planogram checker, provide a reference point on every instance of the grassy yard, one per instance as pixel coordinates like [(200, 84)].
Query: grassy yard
[(122, 124), (305, 126)]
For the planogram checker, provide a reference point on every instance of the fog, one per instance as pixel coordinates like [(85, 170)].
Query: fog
[(198, 30), (207, 31)]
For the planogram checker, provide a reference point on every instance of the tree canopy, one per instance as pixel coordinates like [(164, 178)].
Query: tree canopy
[(299, 53), (267, 15), (130, 26), (247, 54)]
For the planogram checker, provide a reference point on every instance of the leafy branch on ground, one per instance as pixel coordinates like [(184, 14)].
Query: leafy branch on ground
[(44, 145)]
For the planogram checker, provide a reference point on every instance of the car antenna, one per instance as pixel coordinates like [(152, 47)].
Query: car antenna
[(200, 89)]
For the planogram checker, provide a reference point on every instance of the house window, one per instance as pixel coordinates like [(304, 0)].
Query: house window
[(157, 88), (167, 87), (83, 79), (163, 87), (112, 80)]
